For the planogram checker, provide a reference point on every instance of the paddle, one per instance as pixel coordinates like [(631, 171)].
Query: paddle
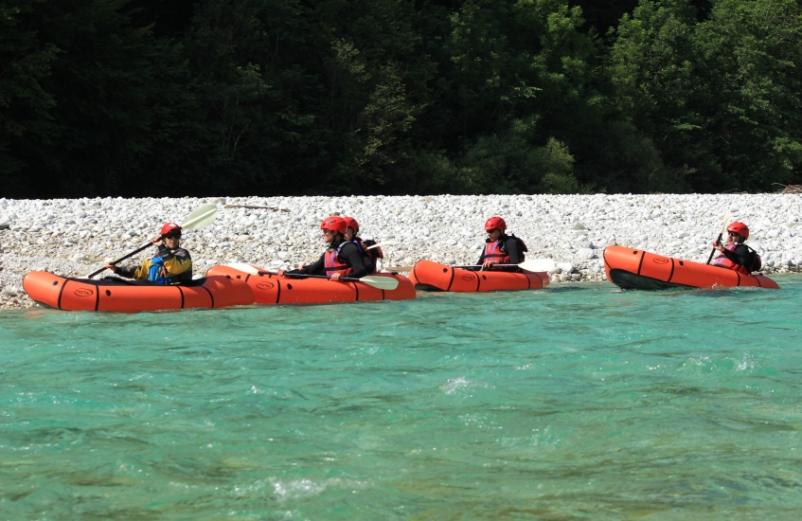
[(527, 265), (257, 207), (726, 220), (376, 281), (201, 216), (537, 265)]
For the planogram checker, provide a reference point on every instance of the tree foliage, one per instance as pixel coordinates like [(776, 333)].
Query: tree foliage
[(139, 97)]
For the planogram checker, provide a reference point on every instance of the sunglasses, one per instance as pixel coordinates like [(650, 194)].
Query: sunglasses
[(173, 236), (733, 234)]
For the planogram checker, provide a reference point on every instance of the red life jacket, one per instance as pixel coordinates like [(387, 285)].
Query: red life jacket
[(493, 252), (725, 262), (332, 263)]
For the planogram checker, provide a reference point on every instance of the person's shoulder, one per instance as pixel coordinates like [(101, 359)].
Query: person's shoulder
[(349, 246), (182, 253)]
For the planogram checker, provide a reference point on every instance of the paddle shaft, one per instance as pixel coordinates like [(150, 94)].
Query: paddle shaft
[(530, 266), (311, 276), (379, 282), (104, 268), (713, 251), (464, 266)]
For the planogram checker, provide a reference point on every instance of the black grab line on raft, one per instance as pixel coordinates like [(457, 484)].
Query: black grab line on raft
[(671, 275), (97, 298), (60, 293), (210, 294), (356, 290), (451, 280), (181, 292), (640, 264), (478, 280), (278, 291)]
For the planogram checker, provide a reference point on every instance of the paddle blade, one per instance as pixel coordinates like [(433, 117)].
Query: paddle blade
[(244, 267), (538, 265), (398, 269), (202, 216), (379, 282)]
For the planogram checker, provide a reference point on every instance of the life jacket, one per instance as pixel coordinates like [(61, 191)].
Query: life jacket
[(753, 261), (167, 267), (332, 263), (496, 251)]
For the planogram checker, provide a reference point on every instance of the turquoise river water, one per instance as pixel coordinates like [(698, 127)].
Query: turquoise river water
[(576, 402)]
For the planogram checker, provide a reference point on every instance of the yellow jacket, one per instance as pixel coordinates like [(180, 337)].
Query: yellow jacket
[(176, 267)]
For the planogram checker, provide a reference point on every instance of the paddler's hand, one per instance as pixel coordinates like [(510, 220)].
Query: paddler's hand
[(487, 265), (335, 276), (156, 240), (113, 268)]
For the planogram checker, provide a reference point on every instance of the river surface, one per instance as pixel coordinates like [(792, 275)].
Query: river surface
[(575, 402)]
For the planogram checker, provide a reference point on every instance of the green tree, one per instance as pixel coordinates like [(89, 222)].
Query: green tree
[(718, 98), (752, 63), (655, 72), (523, 83), (26, 107)]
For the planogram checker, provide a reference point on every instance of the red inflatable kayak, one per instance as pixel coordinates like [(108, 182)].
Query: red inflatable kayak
[(270, 288), (429, 275), (629, 268), (112, 294)]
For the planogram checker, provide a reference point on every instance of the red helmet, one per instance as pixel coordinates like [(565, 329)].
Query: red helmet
[(495, 223), (739, 228), (170, 228), (333, 223), (350, 222)]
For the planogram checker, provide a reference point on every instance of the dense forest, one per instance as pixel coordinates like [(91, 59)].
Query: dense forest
[(271, 97)]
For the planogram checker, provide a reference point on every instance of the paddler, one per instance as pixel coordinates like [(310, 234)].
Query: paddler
[(172, 264), (500, 248), (341, 259), (368, 248), (734, 254)]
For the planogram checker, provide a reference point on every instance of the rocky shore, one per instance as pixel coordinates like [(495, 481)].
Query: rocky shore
[(75, 236)]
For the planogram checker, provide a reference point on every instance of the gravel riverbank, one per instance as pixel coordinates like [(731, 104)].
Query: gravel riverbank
[(74, 236)]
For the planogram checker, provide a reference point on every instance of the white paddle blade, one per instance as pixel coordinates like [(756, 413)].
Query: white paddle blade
[(538, 265), (379, 282), (244, 267), (399, 269), (202, 216)]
